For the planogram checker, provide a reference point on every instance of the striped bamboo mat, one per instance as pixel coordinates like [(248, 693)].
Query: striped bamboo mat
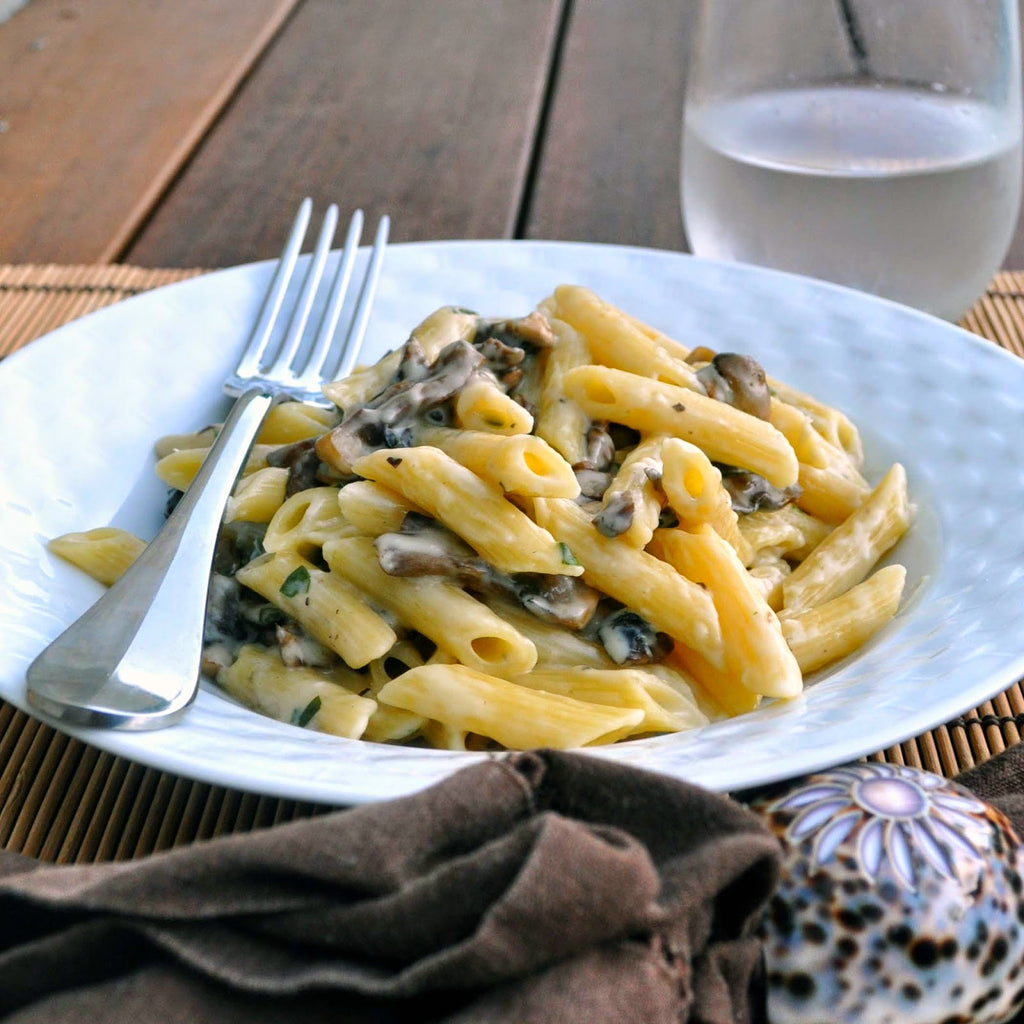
[(64, 801)]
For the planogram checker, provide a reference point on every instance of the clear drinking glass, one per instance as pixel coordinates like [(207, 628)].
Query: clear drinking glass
[(875, 143)]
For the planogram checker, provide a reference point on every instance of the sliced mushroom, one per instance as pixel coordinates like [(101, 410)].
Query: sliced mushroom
[(299, 648), (739, 381), (533, 329), (593, 483), (630, 639), (600, 450), (425, 548), (414, 365), (564, 600), (616, 514), (390, 419), (750, 492), (498, 356), (302, 462)]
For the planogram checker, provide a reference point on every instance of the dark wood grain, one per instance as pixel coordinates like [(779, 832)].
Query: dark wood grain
[(609, 167), (423, 110), (100, 103)]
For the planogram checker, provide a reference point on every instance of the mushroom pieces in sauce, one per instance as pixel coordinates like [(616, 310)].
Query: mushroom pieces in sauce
[(631, 640), (423, 547), (421, 392), (595, 471), (750, 492), (302, 462), (390, 420), (739, 381)]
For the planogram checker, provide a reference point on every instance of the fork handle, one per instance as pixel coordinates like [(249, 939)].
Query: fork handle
[(132, 661)]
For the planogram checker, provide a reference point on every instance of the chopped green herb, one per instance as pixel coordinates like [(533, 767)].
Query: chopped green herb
[(305, 716), (268, 615), (568, 558), (255, 549), (297, 582), (465, 312)]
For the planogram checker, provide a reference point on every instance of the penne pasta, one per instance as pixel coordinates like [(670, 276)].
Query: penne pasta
[(616, 340), (664, 709), (830, 631), (388, 724), (257, 497), (756, 653), (631, 506), (441, 611), (797, 427), (514, 716), (835, 427), (178, 468), (176, 442), (561, 529), (653, 407), (372, 508), (834, 492), (325, 604), (846, 556), (652, 588), (556, 646), (522, 464), (305, 522), (767, 574), (559, 420), (693, 487), (717, 686), (482, 405), (104, 553), (288, 422), (297, 695), (786, 532), (473, 509)]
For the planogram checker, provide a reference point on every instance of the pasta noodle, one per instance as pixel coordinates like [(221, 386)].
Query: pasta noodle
[(104, 553), (562, 529)]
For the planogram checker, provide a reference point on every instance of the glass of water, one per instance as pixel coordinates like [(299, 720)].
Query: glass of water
[(874, 143)]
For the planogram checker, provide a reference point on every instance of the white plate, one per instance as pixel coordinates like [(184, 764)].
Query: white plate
[(79, 411)]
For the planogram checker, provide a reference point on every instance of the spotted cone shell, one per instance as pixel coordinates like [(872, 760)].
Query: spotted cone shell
[(901, 902)]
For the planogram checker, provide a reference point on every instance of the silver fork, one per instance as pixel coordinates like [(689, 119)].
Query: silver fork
[(132, 661)]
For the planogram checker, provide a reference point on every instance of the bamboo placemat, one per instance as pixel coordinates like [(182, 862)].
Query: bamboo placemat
[(62, 800)]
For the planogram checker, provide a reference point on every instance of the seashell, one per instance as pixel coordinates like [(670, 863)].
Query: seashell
[(901, 902)]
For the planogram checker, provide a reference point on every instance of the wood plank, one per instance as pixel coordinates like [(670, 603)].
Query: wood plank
[(423, 110), (609, 167), (101, 102)]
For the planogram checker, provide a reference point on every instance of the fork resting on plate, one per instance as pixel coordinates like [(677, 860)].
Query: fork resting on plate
[(132, 661)]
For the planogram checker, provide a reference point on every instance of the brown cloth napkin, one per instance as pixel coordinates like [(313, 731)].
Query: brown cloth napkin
[(1000, 781), (539, 887)]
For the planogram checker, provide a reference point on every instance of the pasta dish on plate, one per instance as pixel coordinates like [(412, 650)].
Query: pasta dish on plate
[(560, 529)]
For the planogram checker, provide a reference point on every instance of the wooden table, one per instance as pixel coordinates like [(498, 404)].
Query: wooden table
[(183, 134)]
